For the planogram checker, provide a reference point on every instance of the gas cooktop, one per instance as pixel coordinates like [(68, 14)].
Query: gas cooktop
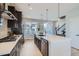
[(8, 39)]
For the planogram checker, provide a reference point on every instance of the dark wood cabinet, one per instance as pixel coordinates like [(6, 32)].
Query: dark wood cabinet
[(16, 50), (11, 9), (44, 47), (18, 22), (13, 52), (37, 42), (2, 7), (11, 23), (18, 15), (42, 44), (0, 10)]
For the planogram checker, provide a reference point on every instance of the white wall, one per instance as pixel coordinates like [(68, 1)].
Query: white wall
[(72, 27), (72, 19)]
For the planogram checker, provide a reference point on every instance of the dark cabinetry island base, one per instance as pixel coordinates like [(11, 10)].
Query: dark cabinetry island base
[(42, 44)]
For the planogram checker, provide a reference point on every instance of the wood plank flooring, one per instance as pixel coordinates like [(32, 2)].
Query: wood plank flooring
[(74, 52), (30, 49)]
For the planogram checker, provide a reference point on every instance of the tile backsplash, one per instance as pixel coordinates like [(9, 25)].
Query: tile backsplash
[(3, 29)]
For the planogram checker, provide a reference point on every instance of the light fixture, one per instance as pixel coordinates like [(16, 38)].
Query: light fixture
[(58, 11), (41, 15), (46, 14), (58, 19), (29, 11), (29, 6)]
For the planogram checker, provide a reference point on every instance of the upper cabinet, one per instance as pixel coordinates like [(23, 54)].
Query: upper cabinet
[(15, 24), (2, 6)]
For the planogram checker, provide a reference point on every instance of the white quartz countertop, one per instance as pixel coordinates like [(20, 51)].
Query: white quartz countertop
[(58, 45), (6, 47), (52, 37)]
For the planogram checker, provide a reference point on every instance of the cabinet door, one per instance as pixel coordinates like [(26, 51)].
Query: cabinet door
[(44, 47), (11, 9), (18, 48), (11, 23), (22, 40), (14, 52), (18, 15)]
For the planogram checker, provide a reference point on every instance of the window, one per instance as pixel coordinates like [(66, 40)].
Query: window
[(1, 22)]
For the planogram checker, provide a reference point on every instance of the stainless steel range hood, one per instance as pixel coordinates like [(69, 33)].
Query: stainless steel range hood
[(8, 15), (4, 13)]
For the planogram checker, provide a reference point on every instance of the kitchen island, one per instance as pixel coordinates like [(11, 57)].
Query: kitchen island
[(53, 45), (11, 48)]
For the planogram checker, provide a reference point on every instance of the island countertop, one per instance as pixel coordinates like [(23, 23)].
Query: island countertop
[(6, 47), (52, 38), (57, 45)]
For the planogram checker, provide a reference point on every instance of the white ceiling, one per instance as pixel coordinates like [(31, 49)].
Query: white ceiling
[(38, 8)]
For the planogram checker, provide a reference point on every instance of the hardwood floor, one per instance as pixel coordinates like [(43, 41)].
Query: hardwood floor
[(30, 49), (74, 52)]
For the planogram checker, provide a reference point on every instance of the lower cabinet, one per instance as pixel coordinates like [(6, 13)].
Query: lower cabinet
[(17, 48), (42, 44), (37, 42), (14, 52), (44, 47)]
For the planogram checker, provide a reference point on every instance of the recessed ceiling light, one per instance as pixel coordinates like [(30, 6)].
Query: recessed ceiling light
[(30, 8)]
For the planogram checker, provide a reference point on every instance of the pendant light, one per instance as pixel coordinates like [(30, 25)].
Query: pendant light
[(58, 15), (41, 15), (58, 11), (47, 14), (29, 11)]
